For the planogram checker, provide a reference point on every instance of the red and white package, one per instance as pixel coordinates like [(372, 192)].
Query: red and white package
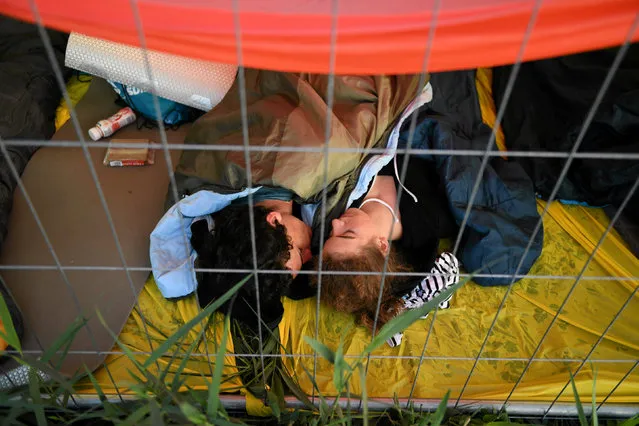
[(129, 156)]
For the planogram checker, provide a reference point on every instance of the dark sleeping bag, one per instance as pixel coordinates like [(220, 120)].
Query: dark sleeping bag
[(504, 212), (546, 112), (29, 96)]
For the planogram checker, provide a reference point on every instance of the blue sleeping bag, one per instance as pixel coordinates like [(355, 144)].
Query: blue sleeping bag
[(504, 212)]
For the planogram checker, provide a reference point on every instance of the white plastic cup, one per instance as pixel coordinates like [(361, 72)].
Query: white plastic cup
[(107, 127)]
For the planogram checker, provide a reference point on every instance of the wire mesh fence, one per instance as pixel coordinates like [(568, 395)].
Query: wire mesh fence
[(482, 356)]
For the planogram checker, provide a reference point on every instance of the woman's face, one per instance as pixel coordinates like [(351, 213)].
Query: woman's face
[(351, 233)]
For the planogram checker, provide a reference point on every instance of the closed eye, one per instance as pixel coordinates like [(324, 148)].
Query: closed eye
[(347, 236)]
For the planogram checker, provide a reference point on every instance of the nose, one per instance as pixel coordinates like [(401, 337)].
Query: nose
[(338, 227)]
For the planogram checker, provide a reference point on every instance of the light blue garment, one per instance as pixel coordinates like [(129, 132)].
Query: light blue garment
[(173, 258)]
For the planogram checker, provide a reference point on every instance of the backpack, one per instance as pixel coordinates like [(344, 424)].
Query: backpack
[(173, 113)]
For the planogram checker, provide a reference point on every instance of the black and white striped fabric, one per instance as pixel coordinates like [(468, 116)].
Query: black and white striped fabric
[(444, 274)]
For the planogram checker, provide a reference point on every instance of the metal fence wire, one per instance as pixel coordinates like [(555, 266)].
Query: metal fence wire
[(534, 407)]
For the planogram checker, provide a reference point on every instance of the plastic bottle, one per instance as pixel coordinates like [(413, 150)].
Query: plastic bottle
[(105, 128)]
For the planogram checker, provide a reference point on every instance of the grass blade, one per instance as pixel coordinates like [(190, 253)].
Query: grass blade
[(34, 391), (284, 374), (192, 414), (595, 419), (214, 389), (274, 403), (438, 417), (156, 416), (339, 367), (65, 339), (362, 377), (109, 409), (324, 411), (45, 368), (95, 384), (295, 389), (176, 383), (580, 408), (315, 386), (633, 421), (168, 343), (136, 417), (165, 371), (9, 335), (321, 349), (122, 346)]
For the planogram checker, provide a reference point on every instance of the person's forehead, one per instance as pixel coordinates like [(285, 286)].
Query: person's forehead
[(358, 216), (341, 245)]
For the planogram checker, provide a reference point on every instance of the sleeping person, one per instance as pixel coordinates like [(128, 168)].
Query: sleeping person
[(494, 199), (359, 241), (224, 241)]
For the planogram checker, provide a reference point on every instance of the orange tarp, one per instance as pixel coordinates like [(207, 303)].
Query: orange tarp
[(372, 36)]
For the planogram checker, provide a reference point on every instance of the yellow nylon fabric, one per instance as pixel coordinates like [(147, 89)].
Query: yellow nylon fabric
[(77, 88), (484, 84)]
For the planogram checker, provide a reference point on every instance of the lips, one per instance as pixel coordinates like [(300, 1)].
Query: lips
[(306, 255)]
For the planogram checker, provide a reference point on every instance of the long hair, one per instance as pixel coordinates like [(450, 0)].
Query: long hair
[(358, 293)]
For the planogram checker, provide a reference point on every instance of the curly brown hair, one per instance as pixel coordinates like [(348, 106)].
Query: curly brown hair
[(358, 294)]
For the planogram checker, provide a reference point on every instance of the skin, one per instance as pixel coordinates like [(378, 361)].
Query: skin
[(371, 224), (298, 232)]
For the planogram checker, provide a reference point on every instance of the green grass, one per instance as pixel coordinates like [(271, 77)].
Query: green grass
[(160, 402)]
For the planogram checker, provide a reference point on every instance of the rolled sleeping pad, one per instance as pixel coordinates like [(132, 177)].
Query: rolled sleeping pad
[(193, 82)]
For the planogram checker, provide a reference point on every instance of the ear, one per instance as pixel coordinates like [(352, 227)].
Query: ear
[(274, 218), (382, 245)]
